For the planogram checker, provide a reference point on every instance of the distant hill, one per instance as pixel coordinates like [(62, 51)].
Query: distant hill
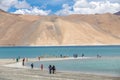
[(117, 13), (1, 10), (22, 30)]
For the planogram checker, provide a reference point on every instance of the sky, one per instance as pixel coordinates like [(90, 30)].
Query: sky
[(60, 7)]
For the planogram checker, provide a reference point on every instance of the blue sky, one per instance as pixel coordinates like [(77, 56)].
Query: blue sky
[(53, 5), (59, 7)]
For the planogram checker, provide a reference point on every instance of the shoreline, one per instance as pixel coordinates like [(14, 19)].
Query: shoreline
[(14, 64), (20, 72), (19, 65), (84, 45)]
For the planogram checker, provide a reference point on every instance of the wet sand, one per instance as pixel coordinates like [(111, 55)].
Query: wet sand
[(9, 70)]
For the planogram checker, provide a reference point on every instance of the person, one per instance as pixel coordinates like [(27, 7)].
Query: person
[(41, 66), (98, 56), (23, 61), (17, 59), (75, 55), (32, 66), (61, 55), (50, 68), (39, 58), (54, 69), (82, 55)]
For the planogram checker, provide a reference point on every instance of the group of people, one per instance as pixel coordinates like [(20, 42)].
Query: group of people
[(76, 55), (52, 69), (98, 56), (32, 66), (23, 60)]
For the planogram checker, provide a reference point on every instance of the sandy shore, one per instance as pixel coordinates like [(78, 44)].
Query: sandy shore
[(12, 63), (10, 70)]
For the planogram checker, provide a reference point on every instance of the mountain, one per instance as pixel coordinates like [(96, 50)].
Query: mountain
[(117, 13), (29, 30)]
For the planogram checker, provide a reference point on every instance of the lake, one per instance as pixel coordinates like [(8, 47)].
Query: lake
[(101, 66), (30, 52)]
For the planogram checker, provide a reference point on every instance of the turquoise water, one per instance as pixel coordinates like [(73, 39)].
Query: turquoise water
[(13, 52), (103, 66)]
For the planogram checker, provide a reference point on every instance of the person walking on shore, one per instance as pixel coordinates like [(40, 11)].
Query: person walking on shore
[(32, 66), (50, 68), (54, 69), (23, 61), (41, 66), (17, 59)]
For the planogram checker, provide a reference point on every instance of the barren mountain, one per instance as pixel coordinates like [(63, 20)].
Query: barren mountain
[(117, 13), (22, 30)]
